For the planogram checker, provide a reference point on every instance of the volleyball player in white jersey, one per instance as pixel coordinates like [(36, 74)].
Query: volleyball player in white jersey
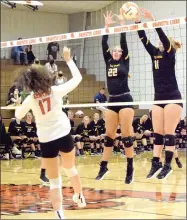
[(53, 128)]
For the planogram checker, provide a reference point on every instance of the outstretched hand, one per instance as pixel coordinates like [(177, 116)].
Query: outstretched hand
[(146, 14), (109, 19)]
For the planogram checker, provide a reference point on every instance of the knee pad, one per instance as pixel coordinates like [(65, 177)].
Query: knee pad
[(77, 139), (71, 172), (81, 139), (102, 141), (118, 138), (158, 139), (56, 183), (98, 141), (169, 140), (109, 142), (128, 141)]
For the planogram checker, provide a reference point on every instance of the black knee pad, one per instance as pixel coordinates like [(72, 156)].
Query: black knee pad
[(128, 141), (98, 141), (169, 140), (103, 141), (158, 139), (144, 137), (77, 139), (82, 139), (109, 142), (118, 138)]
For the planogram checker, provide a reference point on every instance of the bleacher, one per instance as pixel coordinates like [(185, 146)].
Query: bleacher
[(84, 93)]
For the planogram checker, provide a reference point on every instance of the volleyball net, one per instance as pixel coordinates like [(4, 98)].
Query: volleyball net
[(86, 50)]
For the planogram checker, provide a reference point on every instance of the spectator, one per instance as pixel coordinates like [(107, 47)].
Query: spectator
[(51, 68), (30, 55), (31, 133), (100, 97), (61, 79), (52, 50), (18, 53), (14, 98)]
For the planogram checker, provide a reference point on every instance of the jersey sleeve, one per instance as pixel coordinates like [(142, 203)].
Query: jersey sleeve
[(69, 86), (152, 50), (124, 47), (22, 110), (164, 39), (106, 50), (78, 130)]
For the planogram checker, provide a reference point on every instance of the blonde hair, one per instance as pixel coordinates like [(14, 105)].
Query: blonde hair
[(176, 44), (117, 47)]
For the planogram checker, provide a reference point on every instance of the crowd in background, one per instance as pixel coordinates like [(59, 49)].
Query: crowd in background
[(21, 140)]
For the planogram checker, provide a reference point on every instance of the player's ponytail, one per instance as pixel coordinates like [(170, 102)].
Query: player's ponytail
[(176, 44)]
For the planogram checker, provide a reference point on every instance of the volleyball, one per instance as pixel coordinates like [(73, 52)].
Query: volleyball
[(129, 10)]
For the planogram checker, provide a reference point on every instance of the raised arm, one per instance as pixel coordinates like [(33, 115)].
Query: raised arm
[(124, 47), (105, 47), (69, 86), (165, 41)]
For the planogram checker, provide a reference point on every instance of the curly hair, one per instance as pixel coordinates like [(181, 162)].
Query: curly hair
[(36, 79)]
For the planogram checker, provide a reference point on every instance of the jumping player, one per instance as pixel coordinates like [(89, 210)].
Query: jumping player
[(53, 128), (165, 116), (117, 70)]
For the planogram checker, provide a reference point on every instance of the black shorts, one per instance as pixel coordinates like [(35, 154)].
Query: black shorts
[(122, 98), (51, 149), (175, 96)]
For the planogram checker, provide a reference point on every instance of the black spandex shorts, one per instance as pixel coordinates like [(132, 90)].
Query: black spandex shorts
[(175, 96), (122, 98), (51, 149)]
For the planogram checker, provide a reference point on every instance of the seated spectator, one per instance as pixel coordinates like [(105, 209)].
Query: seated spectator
[(52, 70), (100, 97), (7, 142), (141, 132), (52, 49), (61, 79), (95, 133), (16, 130), (14, 98), (82, 134), (18, 53), (30, 55), (31, 133)]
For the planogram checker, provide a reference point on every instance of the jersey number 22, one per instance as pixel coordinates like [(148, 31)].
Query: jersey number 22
[(112, 72), (42, 106)]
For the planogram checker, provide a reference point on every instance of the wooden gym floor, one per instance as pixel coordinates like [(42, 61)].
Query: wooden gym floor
[(22, 197)]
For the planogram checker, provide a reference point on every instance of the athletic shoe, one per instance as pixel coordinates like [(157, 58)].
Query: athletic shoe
[(166, 170), (80, 200), (6, 156), (44, 179), (130, 175), (15, 150), (179, 164), (102, 172), (155, 169), (146, 148)]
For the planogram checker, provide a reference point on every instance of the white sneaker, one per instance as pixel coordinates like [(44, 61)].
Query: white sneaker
[(59, 214), (80, 200), (15, 150), (6, 156)]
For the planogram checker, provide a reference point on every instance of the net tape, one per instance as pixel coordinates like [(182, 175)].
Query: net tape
[(95, 32), (100, 105)]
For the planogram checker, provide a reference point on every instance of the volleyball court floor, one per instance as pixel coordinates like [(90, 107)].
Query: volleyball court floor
[(22, 196)]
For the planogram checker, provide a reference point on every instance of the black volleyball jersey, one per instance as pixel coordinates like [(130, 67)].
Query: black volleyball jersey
[(83, 130), (30, 129), (102, 126), (116, 71), (163, 63), (16, 129), (95, 128)]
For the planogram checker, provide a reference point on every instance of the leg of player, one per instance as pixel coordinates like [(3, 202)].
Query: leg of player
[(176, 155), (53, 172), (172, 115), (68, 161), (125, 119), (158, 127), (111, 124)]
